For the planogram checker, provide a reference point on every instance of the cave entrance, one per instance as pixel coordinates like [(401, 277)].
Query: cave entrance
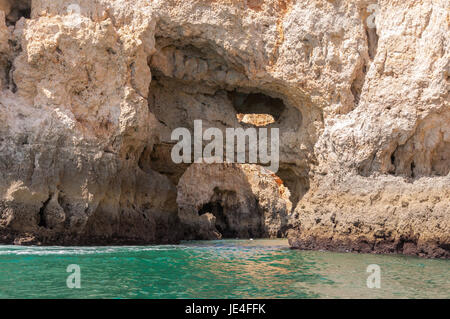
[(296, 180), (256, 109), (15, 9), (222, 224), (235, 218)]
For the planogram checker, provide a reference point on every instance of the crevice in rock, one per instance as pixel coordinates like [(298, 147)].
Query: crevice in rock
[(42, 219), (5, 68), (296, 181), (393, 164), (368, 16), (372, 45), (66, 206), (10, 78), (372, 41), (357, 85), (7, 61), (413, 166)]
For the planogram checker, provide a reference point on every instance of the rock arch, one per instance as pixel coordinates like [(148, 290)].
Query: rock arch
[(232, 201)]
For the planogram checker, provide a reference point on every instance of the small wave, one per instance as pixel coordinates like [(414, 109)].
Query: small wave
[(224, 246), (54, 250)]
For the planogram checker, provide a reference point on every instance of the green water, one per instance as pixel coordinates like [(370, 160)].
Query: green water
[(215, 269)]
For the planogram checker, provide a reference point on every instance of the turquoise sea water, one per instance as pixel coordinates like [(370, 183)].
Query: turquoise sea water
[(215, 269)]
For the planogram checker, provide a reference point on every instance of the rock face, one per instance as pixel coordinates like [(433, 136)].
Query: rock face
[(92, 90)]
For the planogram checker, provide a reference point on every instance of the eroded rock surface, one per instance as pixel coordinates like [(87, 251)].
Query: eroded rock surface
[(91, 91)]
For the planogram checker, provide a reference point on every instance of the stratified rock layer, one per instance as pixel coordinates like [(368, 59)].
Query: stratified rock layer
[(92, 90)]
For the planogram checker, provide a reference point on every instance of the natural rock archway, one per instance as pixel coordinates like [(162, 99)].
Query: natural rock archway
[(193, 80), (232, 201)]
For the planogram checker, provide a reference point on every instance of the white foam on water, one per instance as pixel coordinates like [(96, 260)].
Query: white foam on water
[(59, 250)]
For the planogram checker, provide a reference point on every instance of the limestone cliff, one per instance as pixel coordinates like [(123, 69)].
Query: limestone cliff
[(92, 89)]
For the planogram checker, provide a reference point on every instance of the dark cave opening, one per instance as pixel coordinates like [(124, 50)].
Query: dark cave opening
[(256, 108), (296, 180), (222, 224), (18, 9), (26, 13), (42, 220), (413, 166), (235, 218)]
